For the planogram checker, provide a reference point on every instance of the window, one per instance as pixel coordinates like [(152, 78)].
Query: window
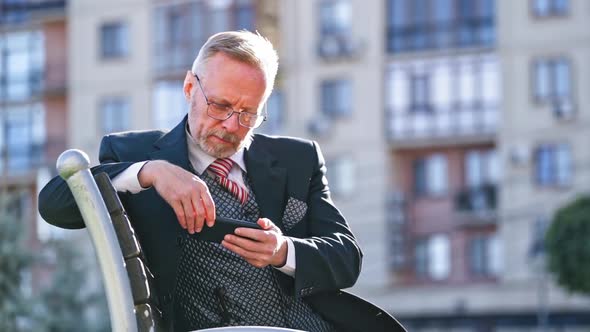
[(169, 104), (335, 17), (539, 228), (342, 176), (433, 257), (547, 8), (553, 165), (420, 98), (115, 114), (181, 28), (114, 40), (276, 113), (430, 175), (481, 167), (22, 137), (484, 256), (245, 15), (22, 59), (336, 97), (552, 80), (414, 25)]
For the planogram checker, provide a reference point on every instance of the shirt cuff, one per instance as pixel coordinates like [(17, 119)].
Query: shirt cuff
[(289, 267), (127, 181)]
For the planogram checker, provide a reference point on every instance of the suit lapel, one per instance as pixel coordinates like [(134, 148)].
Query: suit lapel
[(172, 147), (268, 183)]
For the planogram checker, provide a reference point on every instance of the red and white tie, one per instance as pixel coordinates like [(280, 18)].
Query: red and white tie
[(221, 168)]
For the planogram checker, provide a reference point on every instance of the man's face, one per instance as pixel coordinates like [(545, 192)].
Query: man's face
[(228, 82)]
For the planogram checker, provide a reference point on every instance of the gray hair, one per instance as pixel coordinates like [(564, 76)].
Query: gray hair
[(244, 46)]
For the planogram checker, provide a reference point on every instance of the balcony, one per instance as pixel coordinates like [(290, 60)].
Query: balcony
[(19, 164), (476, 32), (476, 206), (440, 126), (15, 11), (442, 100)]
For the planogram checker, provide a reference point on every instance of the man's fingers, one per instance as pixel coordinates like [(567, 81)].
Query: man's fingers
[(240, 250), (199, 211), (177, 207), (251, 233), (245, 243), (207, 201), (189, 214)]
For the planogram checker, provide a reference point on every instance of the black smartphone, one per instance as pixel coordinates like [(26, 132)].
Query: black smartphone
[(221, 227)]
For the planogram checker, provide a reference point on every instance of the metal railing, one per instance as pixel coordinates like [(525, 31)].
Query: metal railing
[(73, 167)]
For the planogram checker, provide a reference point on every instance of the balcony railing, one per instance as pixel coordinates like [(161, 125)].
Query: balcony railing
[(441, 124), (477, 205), (16, 12), (462, 33), (18, 161)]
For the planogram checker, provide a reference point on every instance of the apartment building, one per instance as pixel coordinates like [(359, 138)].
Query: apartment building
[(452, 130), (33, 107)]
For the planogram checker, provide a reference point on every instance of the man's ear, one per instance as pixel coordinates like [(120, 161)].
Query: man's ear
[(189, 83)]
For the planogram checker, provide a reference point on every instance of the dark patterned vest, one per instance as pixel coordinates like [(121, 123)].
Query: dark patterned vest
[(216, 287)]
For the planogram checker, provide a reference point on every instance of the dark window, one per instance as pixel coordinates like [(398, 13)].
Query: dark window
[(431, 24), (114, 40), (335, 17), (546, 8), (22, 137), (22, 65), (245, 15), (553, 165), (432, 258), (342, 176), (421, 258), (481, 256), (552, 80), (182, 28), (115, 114), (430, 175), (539, 228), (336, 97), (420, 94)]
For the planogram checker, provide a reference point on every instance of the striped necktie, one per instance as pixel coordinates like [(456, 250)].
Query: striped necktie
[(221, 168)]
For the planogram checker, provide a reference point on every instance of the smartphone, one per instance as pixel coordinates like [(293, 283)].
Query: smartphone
[(221, 227)]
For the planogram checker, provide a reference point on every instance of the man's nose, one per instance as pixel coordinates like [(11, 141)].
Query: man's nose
[(232, 123)]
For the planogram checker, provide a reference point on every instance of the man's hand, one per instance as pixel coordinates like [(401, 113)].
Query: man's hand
[(187, 194), (259, 247)]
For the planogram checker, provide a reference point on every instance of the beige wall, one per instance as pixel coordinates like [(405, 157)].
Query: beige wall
[(92, 78)]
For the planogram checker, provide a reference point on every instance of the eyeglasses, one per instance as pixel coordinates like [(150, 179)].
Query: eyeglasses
[(223, 112)]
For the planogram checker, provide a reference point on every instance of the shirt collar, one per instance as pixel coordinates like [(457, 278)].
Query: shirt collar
[(200, 160)]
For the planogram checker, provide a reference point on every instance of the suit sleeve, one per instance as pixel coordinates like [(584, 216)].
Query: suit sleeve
[(56, 202), (330, 258)]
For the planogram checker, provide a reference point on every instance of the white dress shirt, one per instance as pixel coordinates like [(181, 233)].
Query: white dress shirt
[(128, 181)]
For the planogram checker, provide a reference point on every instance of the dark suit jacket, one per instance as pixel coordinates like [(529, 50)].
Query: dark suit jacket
[(328, 257)]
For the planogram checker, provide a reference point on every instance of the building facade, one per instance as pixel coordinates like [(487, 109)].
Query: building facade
[(33, 109), (452, 131)]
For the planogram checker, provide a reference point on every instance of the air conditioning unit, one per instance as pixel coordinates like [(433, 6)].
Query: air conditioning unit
[(329, 47), (519, 155), (338, 46), (563, 109), (319, 125)]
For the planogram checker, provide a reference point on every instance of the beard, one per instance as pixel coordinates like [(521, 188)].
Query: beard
[(222, 150)]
